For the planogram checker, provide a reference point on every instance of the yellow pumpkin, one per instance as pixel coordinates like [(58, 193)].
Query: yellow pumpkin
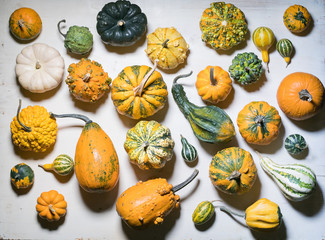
[(296, 18), (213, 84), (168, 46)]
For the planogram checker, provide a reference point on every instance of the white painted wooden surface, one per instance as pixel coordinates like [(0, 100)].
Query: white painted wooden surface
[(93, 216)]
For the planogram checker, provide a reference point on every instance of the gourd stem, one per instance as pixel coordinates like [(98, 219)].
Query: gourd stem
[(235, 175), (305, 95), (38, 65), (86, 77), (212, 79), (138, 90), (249, 70), (120, 23), (224, 209), (182, 76), (78, 116), (27, 129), (64, 35), (164, 44), (21, 23), (51, 209), (259, 120), (187, 181)]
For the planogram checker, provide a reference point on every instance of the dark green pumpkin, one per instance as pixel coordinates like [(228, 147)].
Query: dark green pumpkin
[(121, 23), (295, 144), (189, 152), (203, 213), (22, 176)]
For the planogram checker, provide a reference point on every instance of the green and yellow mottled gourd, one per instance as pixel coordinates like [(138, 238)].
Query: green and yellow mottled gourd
[(22, 176), (297, 18), (62, 165), (203, 213), (285, 48)]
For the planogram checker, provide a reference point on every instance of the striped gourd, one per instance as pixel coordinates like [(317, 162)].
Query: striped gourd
[(203, 212), (62, 165), (296, 181), (189, 152), (285, 48), (295, 144)]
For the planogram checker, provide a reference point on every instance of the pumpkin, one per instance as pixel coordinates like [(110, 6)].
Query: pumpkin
[(96, 161), (297, 18), (168, 46), (223, 25), (51, 205), (209, 123), (139, 91), (295, 144), (263, 215), (121, 23), (22, 176), (246, 68), (213, 84), (62, 165), (263, 38), (39, 68), (259, 123), (285, 48), (233, 171), (203, 213), (149, 145), (87, 80), (149, 202), (78, 40), (189, 152), (300, 95), (296, 181), (33, 129), (25, 23)]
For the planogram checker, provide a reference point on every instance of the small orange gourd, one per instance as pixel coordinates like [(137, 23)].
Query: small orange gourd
[(51, 205), (300, 95), (213, 84), (297, 18)]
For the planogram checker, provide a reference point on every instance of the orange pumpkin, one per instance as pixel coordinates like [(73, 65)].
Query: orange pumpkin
[(25, 24), (213, 84), (51, 205), (300, 95), (297, 18)]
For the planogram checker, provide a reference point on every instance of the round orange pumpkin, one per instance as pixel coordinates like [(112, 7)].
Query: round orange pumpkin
[(300, 95), (25, 24), (296, 18), (213, 84)]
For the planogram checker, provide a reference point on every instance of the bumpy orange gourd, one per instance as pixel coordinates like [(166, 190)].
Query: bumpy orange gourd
[(51, 205), (25, 24), (300, 95), (87, 80), (296, 18), (213, 84)]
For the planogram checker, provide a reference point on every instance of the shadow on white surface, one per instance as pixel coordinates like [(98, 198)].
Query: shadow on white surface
[(51, 226)]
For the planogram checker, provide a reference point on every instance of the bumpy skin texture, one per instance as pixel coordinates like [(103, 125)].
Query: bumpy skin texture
[(147, 203), (168, 46), (78, 40), (121, 23), (51, 205), (296, 18), (223, 25), (43, 129), (25, 24), (246, 68), (263, 215), (228, 163), (87, 80), (149, 145), (22, 176)]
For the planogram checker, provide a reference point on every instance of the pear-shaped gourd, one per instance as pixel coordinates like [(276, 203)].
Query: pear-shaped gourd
[(189, 152), (285, 48), (62, 165)]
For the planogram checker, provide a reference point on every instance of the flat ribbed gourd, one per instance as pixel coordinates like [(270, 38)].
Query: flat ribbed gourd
[(223, 25)]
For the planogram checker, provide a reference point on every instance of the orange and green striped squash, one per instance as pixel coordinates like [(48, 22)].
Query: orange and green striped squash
[(22, 176), (233, 171), (296, 18), (259, 123), (138, 92), (25, 24)]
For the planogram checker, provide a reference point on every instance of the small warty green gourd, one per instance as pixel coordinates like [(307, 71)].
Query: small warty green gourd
[(189, 152), (296, 181)]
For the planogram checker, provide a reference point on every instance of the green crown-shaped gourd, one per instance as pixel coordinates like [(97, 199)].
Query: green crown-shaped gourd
[(246, 68)]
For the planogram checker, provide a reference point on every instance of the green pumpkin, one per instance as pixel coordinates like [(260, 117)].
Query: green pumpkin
[(121, 23), (189, 152), (78, 40), (295, 144), (246, 68), (285, 48), (22, 176), (203, 213)]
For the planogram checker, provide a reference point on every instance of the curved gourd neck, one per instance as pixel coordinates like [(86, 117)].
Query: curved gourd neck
[(78, 116)]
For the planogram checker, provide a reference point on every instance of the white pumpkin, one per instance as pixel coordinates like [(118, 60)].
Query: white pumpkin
[(39, 68)]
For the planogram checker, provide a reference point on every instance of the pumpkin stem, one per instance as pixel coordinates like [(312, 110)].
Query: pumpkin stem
[(187, 181), (138, 90), (78, 116), (182, 76), (224, 209), (86, 77), (212, 78), (120, 23), (145, 145), (259, 120), (52, 210), (305, 95), (27, 129), (21, 23), (235, 175), (64, 35), (164, 44), (38, 65)]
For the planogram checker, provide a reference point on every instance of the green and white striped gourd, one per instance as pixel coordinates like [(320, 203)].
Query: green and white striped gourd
[(295, 144), (296, 181), (62, 165), (285, 48), (203, 212), (189, 152)]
